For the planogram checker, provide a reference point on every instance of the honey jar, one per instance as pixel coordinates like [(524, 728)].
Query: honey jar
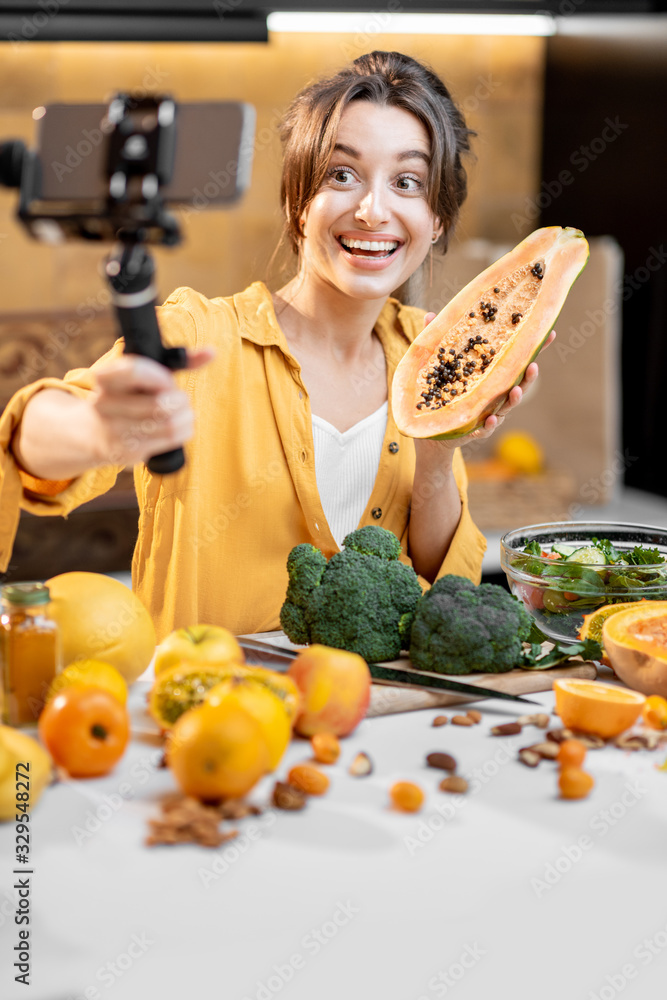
[(29, 651)]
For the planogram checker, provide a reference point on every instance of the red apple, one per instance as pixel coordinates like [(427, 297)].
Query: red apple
[(335, 690)]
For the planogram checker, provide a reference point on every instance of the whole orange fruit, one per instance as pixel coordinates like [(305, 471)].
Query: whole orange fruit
[(217, 752), (263, 704), (101, 619)]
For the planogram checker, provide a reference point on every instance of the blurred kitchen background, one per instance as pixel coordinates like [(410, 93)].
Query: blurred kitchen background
[(568, 101)]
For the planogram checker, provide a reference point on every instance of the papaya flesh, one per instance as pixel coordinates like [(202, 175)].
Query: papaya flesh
[(462, 366)]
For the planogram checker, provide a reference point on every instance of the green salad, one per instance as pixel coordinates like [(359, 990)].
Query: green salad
[(588, 576)]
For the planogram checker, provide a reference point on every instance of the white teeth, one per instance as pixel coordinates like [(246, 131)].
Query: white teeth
[(368, 244)]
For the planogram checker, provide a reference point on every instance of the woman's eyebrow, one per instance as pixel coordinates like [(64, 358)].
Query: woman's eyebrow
[(408, 154)]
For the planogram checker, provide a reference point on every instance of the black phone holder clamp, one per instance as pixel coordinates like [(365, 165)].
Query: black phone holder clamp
[(140, 160)]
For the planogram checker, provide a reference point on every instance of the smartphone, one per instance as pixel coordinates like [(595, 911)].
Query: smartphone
[(66, 182), (213, 154)]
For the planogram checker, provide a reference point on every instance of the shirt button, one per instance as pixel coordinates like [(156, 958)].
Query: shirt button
[(376, 513), (393, 447)]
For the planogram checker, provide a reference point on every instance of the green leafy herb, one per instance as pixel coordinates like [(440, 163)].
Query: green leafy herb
[(641, 556), (589, 649)]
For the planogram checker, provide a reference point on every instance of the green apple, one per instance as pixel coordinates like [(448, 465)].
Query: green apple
[(198, 644)]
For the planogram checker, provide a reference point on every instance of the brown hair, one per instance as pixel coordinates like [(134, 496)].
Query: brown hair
[(308, 132)]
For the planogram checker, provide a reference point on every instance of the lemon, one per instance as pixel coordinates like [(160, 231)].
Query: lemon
[(520, 451), (90, 673)]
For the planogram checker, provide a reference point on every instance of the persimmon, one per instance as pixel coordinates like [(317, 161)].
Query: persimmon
[(85, 729)]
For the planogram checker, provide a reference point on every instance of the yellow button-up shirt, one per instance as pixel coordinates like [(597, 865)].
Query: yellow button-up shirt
[(214, 537)]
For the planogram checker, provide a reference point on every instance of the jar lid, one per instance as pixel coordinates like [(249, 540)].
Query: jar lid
[(26, 593)]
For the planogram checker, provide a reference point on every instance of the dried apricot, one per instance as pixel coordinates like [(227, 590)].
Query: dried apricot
[(571, 753), (309, 779), (326, 748), (574, 783), (406, 796)]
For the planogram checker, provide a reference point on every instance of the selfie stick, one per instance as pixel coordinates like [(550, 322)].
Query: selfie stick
[(130, 272), (140, 159)]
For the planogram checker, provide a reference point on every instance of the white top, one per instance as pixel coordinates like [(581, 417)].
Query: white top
[(345, 468)]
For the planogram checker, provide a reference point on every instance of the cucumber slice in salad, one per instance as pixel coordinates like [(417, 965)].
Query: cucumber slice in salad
[(589, 555), (562, 550)]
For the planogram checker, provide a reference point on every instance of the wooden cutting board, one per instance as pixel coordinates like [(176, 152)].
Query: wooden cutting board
[(387, 699)]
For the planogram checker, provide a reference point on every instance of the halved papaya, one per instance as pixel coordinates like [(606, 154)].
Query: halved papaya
[(459, 370)]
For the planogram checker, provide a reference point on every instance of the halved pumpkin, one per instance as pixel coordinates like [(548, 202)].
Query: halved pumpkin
[(636, 643), (459, 370)]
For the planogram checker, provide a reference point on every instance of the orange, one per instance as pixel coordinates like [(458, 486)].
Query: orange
[(593, 623), (654, 711), (520, 451), (100, 618), (90, 673), (259, 700), (217, 752), (593, 707), (282, 685)]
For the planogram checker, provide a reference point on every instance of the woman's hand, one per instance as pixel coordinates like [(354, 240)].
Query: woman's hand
[(138, 409), (134, 411)]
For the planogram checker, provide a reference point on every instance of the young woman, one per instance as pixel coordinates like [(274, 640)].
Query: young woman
[(292, 438)]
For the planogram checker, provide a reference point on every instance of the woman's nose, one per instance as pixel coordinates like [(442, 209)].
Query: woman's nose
[(372, 208)]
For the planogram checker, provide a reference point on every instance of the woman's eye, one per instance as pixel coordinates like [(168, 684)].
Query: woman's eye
[(340, 175), (409, 183)]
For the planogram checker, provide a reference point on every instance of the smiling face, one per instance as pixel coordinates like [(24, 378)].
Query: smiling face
[(369, 226)]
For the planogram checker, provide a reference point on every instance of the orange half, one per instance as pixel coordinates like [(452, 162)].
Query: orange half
[(592, 707)]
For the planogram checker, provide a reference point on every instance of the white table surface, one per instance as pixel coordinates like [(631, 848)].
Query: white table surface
[(489, 895)]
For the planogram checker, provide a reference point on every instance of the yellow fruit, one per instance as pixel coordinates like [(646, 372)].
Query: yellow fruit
[(260, 701), (217, 752), (592, 707), (654, 712), (198, 644), (101, 619), (184, 686), (17, 748), (281, 685), (90, 673), (636, 643), (574, 783), (520, 451), (593, 623)]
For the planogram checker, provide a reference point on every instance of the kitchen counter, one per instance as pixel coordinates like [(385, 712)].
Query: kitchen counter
[(507, 891)]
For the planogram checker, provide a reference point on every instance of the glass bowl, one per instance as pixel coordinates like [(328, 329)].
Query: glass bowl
[(558, 591)]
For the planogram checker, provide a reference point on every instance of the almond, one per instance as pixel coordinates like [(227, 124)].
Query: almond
[(507, 729), (462, 720), (454, 783), (440, 720), (444, 761)]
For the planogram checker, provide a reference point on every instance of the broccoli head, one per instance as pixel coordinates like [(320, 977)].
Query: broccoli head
[(362, 600), (372, 540), (461, 628)]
